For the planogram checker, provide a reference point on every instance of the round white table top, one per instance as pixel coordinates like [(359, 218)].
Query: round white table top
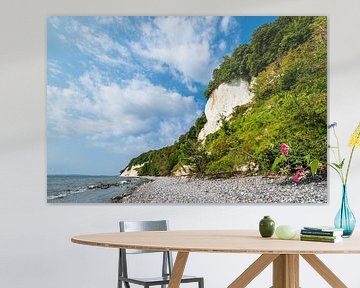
[(219, 241)]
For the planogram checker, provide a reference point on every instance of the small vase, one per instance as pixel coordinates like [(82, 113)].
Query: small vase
[(266, 226), (345, 219)]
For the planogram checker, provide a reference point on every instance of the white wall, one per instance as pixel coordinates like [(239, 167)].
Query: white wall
[(35, 248)]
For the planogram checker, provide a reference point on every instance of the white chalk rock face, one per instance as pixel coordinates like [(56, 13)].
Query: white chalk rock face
[(222, 102), (131, 171), (182, 171)]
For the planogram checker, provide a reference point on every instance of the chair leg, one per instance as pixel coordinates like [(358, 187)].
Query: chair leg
[(126, 284), (119, 270), (201, 283)]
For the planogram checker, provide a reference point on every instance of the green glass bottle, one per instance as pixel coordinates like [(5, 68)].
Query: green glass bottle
[(266, 226)]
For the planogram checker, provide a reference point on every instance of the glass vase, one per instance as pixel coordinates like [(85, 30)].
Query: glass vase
[(345, 219)]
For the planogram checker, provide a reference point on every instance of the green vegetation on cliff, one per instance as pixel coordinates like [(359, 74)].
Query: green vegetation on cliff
[(288, 59), (164, 161), (268, 43)]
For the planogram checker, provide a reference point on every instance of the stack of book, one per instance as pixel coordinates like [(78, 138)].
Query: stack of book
[(321, 234)]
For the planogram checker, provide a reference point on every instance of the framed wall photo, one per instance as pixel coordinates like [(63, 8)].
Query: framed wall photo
[(187, 109)]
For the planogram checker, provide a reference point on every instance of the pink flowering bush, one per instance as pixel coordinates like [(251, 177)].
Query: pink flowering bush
[(300, 173), (284, 148)]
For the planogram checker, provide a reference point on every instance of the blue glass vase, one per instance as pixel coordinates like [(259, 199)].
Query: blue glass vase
[(345, 219)]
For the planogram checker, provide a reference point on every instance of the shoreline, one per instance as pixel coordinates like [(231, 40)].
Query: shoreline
[(233, 190), (145, 179)]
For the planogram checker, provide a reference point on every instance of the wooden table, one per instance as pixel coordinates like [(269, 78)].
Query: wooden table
[(284, 254)]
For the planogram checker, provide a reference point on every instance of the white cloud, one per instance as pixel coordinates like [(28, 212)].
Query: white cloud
[(62, 37), (222, 45), (181, 43), (54, 68), (100, 45), (54, 21), (181, 46), (225, 24), (130, 117), (93, 42), (105, 20)]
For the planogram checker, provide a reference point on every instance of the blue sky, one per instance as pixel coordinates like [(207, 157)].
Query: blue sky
[(120, 86)]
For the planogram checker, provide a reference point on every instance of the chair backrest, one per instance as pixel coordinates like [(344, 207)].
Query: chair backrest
[(134, 226)]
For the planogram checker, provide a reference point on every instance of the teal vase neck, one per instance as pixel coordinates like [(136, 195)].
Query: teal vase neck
[(344, 193)]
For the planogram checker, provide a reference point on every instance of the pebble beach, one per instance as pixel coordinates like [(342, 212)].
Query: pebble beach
[(234, 190)]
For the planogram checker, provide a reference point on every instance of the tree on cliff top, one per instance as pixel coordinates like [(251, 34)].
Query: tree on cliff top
[(268, 43)]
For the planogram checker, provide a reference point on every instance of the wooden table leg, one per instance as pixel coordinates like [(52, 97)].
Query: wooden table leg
[(253, 270), (324, 271), (286, 271), (178, 270)]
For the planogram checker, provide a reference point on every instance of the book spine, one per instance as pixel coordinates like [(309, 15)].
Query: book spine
[(318, 239), (320, 233), (319, 236)]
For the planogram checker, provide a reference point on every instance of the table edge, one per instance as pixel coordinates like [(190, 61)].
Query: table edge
[(205, 250)]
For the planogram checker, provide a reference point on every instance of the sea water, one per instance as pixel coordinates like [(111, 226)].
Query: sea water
[(88, 189)]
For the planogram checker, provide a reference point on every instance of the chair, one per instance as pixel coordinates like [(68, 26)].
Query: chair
[(167, 262)]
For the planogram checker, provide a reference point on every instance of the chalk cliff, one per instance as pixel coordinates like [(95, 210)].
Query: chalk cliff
[(222, 102), (131, 171)]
